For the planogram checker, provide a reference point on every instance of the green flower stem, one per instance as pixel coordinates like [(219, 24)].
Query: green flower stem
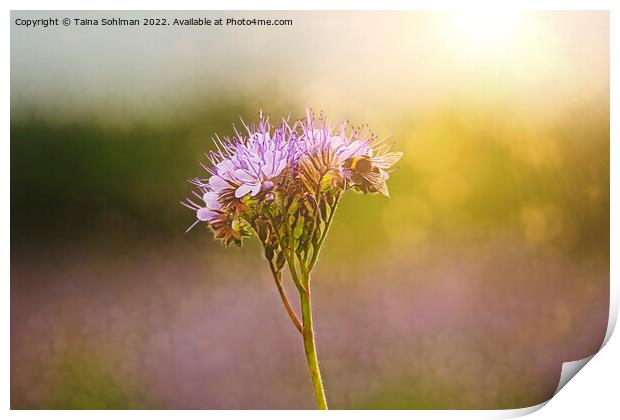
[(277, 276), (289, 260), (310, 348)]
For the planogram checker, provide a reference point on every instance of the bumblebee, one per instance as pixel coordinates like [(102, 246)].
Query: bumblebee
[(367, 177)]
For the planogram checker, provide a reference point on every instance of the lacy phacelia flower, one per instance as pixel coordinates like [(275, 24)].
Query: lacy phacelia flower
[(350, 158), (249, 165), (284, 184), (272, 166)]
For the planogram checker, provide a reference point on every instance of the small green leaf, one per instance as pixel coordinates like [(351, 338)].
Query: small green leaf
[(317, 235), (269, 253), (294, 204), (280, 260), (323, 206), (262, 229), (299, 228)]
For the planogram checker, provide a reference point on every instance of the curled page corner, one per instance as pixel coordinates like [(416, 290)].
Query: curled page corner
[(520, 412), (613, 311), (570, 369)]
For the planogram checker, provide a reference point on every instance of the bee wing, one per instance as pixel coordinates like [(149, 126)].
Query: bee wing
[(388, 160), (377, 181)]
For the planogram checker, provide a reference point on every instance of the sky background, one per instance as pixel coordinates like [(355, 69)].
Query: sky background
[(360, 60)]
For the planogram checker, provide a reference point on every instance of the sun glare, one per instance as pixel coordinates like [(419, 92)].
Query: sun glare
[(484, 27)]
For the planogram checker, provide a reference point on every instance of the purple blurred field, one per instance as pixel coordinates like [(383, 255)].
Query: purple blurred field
[(441, 327)]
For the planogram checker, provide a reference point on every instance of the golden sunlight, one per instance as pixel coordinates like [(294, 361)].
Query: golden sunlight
[(484, 27)]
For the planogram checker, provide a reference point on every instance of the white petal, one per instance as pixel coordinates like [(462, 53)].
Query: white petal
[(243, 190), (279, 168), (204, 214), (267, 170), (336, 141), (210, 196), (218, 184), (267, 167), (211, 200), (255, 190), (244, 176), (225, 166), (356, 148)]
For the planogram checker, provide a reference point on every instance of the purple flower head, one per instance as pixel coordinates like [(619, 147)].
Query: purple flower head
[(244, 166), (248, 164), (341, 142), (353, 157), (265, 167)]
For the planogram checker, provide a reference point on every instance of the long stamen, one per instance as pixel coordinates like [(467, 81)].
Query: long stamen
[(192, 225)]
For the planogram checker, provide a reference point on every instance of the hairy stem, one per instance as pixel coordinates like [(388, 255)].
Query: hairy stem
[(277, 276), (290, 261), (310, 348)]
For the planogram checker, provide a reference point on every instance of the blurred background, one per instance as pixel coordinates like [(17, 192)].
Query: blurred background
[(486, 270)]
